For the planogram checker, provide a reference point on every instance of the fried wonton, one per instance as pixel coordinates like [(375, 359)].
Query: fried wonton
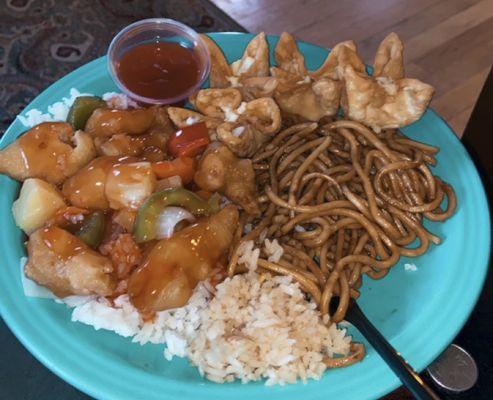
[(242, 126), (389, 59), (386, 99), (249, 74), (255, 59), (310, 95), (304, 97), (213, 102), (383, 103), (342, 54), (220, 69), (288, 57), (257, 87), (254, 127)]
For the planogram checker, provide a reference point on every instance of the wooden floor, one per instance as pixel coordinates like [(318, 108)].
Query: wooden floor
[(448, 43)]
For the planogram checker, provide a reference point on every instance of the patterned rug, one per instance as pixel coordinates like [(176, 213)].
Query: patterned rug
[(43, 40)]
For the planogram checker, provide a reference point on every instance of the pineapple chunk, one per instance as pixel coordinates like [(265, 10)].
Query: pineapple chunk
[(38, 201)]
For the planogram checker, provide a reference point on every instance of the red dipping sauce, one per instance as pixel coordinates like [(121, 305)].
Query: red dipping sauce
[(159, 70), (158, 61)]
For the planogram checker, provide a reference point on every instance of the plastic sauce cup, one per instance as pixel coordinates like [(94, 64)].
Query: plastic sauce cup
[(158, 30)]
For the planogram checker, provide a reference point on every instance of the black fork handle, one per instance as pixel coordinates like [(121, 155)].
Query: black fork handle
[(408, 376)]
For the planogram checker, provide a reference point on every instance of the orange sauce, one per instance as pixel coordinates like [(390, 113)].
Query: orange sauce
[(62, 243), (158, 70), (174, 266)]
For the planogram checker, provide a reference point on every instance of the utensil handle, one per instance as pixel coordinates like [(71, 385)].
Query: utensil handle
[(408, 376)]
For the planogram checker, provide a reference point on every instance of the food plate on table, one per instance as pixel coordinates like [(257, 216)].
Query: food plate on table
[(419, 306)]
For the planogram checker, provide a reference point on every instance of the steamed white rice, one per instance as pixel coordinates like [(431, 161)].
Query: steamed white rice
[(250, 327)]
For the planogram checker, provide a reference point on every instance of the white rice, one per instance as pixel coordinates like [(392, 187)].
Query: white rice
[(191, 121), (250, 327), (253, 327), (119, 100), (262, 327), (248, 255), (58, 111), (273, 249), (410, 267)]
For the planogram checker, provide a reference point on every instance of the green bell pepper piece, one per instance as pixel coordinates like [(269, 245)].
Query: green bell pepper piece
[(92, 229), (82, 109), (148, 214)]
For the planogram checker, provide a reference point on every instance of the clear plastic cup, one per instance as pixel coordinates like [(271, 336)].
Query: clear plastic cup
[(158, 30)]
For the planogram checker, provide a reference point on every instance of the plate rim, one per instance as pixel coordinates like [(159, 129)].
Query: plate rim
[(72, 378)]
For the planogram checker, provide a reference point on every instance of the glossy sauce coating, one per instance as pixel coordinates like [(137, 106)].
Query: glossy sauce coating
[(61, 243), (105, 122), (174, 266), (150, 146), (158, 70), (46, 146), (87, 188)]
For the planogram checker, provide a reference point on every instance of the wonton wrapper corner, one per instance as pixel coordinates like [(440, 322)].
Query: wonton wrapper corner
[(249, 74), (386, 99)]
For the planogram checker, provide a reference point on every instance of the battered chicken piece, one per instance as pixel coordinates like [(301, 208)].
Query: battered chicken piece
[(65, 265), (174, 266), (151, 146), (111, 182), (107, 122), (86, 189), (221, 171), (50, 151)]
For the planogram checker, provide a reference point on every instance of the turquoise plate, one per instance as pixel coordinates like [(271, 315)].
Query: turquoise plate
[(420, 312)]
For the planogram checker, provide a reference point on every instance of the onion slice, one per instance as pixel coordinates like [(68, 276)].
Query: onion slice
[(168, 219)]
